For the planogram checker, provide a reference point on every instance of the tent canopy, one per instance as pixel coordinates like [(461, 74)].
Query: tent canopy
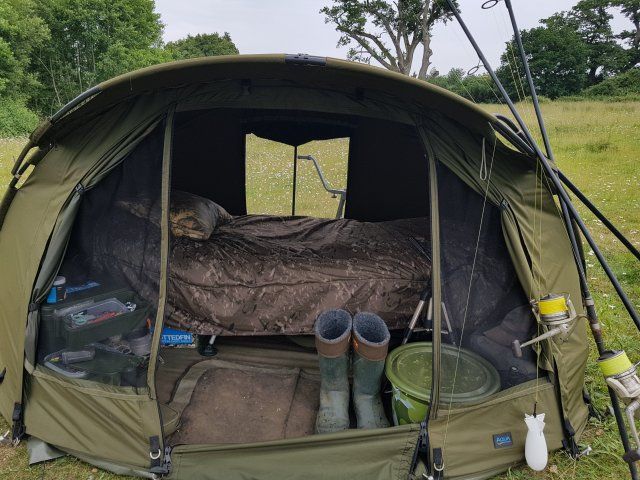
[(292, 101)]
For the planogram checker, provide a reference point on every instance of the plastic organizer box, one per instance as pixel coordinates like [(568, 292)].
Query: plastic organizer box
[(89, 316)]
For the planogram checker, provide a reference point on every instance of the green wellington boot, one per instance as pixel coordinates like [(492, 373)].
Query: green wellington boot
[(370, 344), (333, 332)]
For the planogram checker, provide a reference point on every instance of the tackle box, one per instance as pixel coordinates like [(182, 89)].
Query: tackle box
[(57, 332), (106, 365)]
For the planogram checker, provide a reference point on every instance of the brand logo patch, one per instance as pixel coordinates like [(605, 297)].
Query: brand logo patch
[(502, 440)]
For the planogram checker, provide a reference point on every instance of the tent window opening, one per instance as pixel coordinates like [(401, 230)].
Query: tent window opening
[(308, 179)]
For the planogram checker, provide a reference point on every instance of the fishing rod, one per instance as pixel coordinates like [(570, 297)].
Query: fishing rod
[(567, 207), (607, 223), (547, 143), (549, 170), (588, 300)]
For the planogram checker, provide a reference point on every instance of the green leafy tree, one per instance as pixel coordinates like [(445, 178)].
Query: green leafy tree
[(202, 45), (592, 20), (631, 10), (388, 32), (625, 84), (558, 58), (477, 88), (119, 59), (84, 33), (21, 32)]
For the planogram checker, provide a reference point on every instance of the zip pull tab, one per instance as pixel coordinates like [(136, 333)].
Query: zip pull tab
[(483, 161)]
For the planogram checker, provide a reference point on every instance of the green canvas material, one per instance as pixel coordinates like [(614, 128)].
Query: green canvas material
[(353, 454), (93, 138), (95, 419)]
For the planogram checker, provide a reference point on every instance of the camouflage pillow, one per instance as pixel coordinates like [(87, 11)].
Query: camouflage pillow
[(195, 217), (191, 216)]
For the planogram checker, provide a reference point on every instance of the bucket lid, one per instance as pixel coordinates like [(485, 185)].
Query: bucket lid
[(409, 368)]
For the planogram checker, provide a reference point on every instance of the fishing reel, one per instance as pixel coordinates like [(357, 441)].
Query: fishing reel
[(557, 314), (621, 375)]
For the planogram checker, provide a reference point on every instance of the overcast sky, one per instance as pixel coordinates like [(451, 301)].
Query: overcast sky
[(293, 26)]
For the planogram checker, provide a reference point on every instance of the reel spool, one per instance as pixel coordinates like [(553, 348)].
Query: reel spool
[(621, 375), (557, 314)]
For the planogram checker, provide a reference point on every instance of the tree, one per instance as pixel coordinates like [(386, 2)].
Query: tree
[(631, 10), (202, 45), (591, 19), (119, 59), (21, 32), (558, 58), (388, 32), (477, 88), (83, 33)]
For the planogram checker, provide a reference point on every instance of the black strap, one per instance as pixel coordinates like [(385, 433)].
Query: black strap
[(3, 374), (422, 449), (593, 413), (569, 442), (18, 430), (438, 464), (155, 453)]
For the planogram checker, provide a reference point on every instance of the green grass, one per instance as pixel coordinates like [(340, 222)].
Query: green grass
[(596, 145)]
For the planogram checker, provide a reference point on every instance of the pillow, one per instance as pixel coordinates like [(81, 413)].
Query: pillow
[(191, 216), (195, 217)]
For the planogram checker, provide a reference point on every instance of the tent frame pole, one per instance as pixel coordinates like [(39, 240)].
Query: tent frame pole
[(295, 180), (569, 210)]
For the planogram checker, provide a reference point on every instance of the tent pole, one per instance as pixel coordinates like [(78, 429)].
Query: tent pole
[(295, 180), (587, 203), (568, 207), (564, 197)]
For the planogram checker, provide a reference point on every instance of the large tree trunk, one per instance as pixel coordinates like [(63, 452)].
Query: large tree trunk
[(426, 57), (426, 42)]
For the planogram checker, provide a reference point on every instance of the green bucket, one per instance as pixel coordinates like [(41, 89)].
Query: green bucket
[(409, 370)]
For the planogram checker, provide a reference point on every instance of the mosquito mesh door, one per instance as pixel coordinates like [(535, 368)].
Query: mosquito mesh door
[(95, 323), (485, 308)]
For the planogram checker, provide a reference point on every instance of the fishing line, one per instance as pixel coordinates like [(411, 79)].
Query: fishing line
[(504, 30), (466, 308)]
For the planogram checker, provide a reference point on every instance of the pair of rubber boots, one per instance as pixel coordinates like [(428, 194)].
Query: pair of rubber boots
[(335, 330)]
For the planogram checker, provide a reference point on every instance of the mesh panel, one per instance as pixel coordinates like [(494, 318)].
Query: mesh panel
[(485, 304), (96, 325)]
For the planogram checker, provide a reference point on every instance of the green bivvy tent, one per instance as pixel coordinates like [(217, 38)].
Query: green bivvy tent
[(95, 207)]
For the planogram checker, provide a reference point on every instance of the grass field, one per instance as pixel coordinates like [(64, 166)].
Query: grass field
[(596, 144)]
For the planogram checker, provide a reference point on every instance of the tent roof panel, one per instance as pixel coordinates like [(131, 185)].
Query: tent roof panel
[(334, 74)]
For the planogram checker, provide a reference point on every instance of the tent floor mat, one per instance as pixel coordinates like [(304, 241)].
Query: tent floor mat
[(219, 401)]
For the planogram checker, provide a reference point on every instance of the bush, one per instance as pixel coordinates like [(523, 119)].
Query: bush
[(625, 84), (16, 120)]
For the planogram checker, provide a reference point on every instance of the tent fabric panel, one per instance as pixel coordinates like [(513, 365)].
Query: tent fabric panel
[(278, 95), (94, 420), (337, 74), (388, 175), (381, 454), (31, 219), (211, 148), (535, 235), (466, 435)]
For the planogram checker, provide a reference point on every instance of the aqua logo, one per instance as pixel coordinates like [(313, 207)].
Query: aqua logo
[(502, 440)]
